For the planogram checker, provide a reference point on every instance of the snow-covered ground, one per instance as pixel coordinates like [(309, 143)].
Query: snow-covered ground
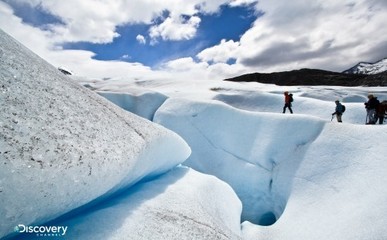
[(253, 172), (238, 133)]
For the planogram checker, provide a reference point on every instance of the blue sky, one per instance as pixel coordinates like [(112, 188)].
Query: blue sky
[(34, 16), (198, 38), (229, 23)]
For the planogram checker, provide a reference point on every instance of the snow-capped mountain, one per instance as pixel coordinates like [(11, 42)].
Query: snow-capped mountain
[(368, 68)]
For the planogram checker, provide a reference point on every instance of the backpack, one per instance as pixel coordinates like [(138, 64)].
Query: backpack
[(290, 97), (343, 108)]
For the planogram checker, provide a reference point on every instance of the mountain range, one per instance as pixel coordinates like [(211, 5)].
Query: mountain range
[(362, 74), (368, 68)]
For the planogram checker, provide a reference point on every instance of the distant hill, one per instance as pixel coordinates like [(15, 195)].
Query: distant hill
[(314, 77), (368, 68), (379, 79)]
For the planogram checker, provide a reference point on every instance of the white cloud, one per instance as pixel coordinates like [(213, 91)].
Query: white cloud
[(96, 21), (88, 20), (175, 28), (320, 34), (221, 53), (184, 64), (141, 39), (325, 34), (241, 2), (187, 68), (33, 38)]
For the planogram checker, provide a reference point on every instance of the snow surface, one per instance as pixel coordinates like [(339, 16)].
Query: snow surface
[(282, 166), (274, 175)]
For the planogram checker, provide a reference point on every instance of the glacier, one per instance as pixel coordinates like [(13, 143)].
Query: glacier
[(196, 160)]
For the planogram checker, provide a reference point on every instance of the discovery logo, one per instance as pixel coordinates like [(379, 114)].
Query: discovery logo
[(42, 231)]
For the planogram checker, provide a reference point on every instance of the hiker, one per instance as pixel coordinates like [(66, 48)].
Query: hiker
[(288, 102), (381, 111), (339, 111), (371, 107)]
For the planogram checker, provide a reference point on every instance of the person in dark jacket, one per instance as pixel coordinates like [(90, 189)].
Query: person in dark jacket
[(381, 111), (371, 107), (338, 111), (288, 102)]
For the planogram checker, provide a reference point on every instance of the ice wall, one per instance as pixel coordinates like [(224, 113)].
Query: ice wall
[(142, 102), (256, 153)]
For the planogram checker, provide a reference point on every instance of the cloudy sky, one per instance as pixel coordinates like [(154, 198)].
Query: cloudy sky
[(200, 39)]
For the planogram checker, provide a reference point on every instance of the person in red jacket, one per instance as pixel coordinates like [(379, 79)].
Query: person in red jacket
[(288, 102)]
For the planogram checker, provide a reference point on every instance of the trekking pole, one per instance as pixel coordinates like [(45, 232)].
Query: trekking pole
[(332, 117)]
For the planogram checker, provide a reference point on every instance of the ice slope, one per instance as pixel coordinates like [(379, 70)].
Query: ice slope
[(62, 145), (182, 204)]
